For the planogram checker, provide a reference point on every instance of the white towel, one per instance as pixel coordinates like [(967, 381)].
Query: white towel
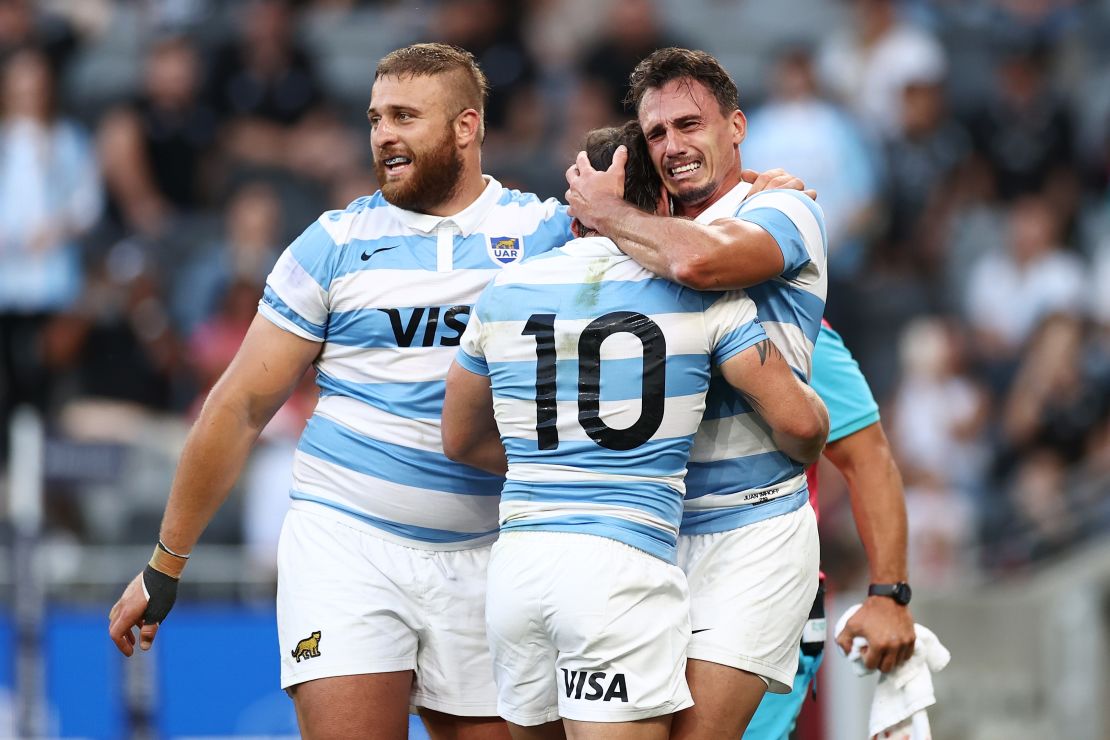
[(901, 697)]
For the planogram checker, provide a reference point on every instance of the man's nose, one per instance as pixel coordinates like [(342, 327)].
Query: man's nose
[(676, 144), (383, 135)]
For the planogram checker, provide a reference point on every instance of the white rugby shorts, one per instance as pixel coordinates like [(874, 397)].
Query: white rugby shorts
[(751, 590), (585, 628), (350, 602)]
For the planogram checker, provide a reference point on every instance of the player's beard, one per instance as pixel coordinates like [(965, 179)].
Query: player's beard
[(436, 175), (695, 195)]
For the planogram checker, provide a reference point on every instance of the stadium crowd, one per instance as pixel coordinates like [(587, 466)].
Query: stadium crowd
[(156, 157)]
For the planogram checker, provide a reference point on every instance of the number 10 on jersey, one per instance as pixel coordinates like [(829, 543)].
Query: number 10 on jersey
[(653, 379)]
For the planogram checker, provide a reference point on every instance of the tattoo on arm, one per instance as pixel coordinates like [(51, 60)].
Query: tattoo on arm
[(766, 349)]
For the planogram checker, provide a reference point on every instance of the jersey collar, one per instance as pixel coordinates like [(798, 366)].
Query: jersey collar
[(466, 220), (725, 206), (592, 246)]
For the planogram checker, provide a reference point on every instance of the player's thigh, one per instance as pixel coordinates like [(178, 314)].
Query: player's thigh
[(443, 726), (344, 601), (619, 618), (371, 706), (547, 731), (652, 728), (523, 653), (454, 667), (778, 713), (751, 590), (725, 700)]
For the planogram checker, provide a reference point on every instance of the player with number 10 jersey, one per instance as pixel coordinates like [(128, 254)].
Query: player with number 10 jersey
[(599, 370)]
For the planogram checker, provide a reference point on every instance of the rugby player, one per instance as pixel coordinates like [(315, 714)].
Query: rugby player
[(382, 558), (749, 537), (593, 372), (748, 544)]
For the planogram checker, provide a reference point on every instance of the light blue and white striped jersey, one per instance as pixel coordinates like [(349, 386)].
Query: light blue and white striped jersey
[(737, 476), (388, 292), (599, 371)]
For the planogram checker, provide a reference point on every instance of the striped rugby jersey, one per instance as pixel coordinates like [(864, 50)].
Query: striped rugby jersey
[(737, 476), (599, 371), (388, 292)]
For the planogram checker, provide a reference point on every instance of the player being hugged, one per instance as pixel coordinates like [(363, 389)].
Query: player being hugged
[(584, 376)]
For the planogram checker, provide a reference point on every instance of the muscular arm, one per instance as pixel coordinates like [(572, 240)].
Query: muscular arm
[(798, 419), (259, 380), (878, 505), (724, 255), (469, 430), (262, 376), (879, 510)]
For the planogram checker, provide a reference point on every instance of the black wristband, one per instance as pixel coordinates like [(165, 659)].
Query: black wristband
[(162, 590)]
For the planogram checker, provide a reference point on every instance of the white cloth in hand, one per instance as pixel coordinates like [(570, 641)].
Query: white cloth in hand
[(908, 689)]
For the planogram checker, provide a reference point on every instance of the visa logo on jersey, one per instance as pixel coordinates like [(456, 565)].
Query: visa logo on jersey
[(428, 326), (601, 686), (506, 249)]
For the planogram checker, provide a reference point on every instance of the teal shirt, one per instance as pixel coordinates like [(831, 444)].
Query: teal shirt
[(840, 384)]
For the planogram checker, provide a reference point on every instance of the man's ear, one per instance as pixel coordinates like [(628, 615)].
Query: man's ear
[(663, 203), (576, 228), (739, 124), (468, 128)]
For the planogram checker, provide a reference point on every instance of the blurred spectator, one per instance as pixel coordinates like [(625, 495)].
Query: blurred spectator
[(50, 197), (939, 411), (263, 75), (247, 252), (153, 150), (557, 31), (809, 137), (588, 107), (633, 29), (521, 154), (924, 166), (1010, 291), (1024, 129), (119, 345), (1044, 520), (491, 30), (1061, 393), (868, 64), (24, 23), (213, 343), (939, 420), (267, 92)]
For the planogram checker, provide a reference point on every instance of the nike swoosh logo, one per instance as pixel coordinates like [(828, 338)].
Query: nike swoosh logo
[(703, 629), (368, 255)]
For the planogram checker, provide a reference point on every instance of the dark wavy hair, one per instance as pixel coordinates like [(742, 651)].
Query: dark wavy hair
[(673, 63), (641, 181)]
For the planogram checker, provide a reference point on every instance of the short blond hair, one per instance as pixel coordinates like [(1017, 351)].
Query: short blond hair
[(434, 59)]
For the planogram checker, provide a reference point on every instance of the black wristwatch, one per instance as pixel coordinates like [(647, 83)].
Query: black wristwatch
[(900, 591)]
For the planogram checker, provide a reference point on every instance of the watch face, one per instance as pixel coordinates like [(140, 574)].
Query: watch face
[(902, 593)]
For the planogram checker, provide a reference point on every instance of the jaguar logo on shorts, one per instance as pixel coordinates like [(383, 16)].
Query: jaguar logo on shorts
[(601, 685), (309, 647)]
